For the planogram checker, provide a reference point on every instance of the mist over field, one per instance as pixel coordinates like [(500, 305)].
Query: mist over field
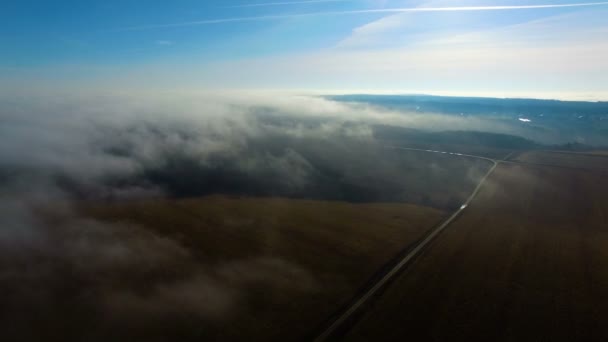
[(286, 170), (59, 152), (121, 147)]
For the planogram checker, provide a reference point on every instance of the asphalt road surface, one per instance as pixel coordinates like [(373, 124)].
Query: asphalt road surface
[(407, 259)]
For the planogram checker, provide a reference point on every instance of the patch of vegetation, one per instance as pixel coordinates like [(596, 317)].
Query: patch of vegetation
[(331, 248)]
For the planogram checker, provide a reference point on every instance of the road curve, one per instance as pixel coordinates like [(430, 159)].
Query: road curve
[(357, 304)]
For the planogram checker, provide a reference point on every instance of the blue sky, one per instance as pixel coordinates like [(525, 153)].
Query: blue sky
[(359, 45)]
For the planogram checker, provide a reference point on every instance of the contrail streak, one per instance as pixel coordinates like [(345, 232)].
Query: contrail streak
[(368, 11), (286, 3)]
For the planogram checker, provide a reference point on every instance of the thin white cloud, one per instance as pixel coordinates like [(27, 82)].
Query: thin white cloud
[(560, 56), (402, 29), (164, 42), (368, 11), (286, 3)]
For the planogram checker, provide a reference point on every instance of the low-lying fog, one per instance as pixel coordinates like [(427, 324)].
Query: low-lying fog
[(58, 150)]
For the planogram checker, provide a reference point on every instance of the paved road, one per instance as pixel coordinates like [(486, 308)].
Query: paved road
[(443, 152), (327, 333)]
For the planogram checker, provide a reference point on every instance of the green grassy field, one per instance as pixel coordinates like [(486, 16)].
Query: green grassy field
[(302, 259), (527, 261)]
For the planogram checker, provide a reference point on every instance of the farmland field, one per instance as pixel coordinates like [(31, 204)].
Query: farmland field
[(589, 161), (527, 261), (300, 260)]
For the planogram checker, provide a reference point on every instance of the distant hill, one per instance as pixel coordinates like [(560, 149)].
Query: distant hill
[(545, 121), (480, 105)]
